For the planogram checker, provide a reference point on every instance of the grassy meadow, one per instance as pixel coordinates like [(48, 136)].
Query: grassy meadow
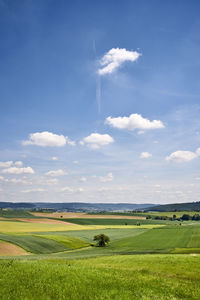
[(113, 277), (156, 259)]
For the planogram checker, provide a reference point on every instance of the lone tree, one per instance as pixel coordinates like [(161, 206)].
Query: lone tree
[(101, 239)]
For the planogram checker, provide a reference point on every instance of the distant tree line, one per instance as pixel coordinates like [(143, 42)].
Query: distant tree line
[(185, 217)]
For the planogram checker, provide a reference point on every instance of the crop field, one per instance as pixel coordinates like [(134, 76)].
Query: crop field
[(47, 258), (113, 277), (114, 221)]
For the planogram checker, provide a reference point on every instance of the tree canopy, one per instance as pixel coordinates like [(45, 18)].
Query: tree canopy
[(101, 239)]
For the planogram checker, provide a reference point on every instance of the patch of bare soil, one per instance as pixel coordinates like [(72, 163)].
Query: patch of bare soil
[(7, 249)]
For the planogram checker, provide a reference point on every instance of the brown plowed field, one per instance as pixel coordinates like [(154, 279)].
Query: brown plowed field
[(84, 215), (7, 249)]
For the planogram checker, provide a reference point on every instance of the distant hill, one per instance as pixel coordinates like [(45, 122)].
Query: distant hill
[(76, 206), (190, 206)]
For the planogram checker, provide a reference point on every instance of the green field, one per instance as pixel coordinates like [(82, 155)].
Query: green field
[(8, 213), (64, 262), (114, 277), (95, 221)]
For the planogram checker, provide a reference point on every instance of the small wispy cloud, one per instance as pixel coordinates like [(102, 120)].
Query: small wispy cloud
[(54, 158), (114, 58), (145, 155), (55, 173), (107, 178), (33, 190)]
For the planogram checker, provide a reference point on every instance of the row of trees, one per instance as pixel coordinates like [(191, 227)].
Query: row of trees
[(185, 217)]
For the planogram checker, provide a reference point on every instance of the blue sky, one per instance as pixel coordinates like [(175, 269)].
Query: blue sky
[(100, 101)]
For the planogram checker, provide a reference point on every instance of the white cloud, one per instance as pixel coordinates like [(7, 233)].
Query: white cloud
[(54, 158), (23, 181), (182, 156), (114, 58), (33, 190), (75, 162), (3, 179), (71, 143), (19, 163), (83, 179), (55, 173), (134, 121), (47, 139), (145, 155), (67, 189), (15, 170), (107, 178), (6, 164), (50, 181), (70, 190), (96, 140)]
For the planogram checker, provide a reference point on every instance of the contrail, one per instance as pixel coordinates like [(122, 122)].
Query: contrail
[(98, 93), (98, 82)]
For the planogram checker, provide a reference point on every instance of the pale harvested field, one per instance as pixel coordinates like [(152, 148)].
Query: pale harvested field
[(43, 221), (7, 249), (84, 215)]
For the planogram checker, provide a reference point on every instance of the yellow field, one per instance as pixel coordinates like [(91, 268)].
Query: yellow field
[(20, 227)]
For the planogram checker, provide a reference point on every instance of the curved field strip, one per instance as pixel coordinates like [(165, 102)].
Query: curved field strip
[(118, 221), (7, 249), (42, 221), (88, 235), (10, 213), (85, 215), (156, 240), (22, 227), (68, 241), (34, 244)]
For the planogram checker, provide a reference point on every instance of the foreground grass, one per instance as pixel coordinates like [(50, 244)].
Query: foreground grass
[(114, 277)]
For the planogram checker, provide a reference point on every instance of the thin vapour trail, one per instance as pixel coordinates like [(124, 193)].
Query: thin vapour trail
[(98, 82), (98, 93)]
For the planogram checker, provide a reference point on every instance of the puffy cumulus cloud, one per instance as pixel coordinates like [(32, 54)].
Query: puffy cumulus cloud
[(6, 164), (183, 156), (96, 140), (145, 155), (134, 121), (15, 170), (48, 139), (114, 58), (107, 178), (55, 173)]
